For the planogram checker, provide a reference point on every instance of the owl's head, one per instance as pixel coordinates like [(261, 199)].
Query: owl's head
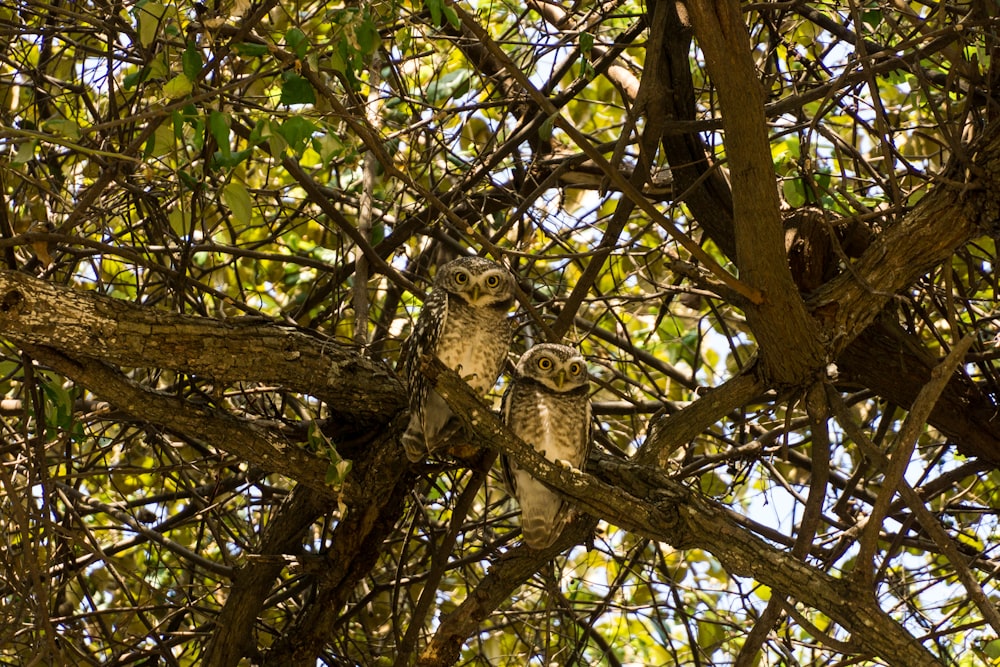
[(557, 367), (477, 281)]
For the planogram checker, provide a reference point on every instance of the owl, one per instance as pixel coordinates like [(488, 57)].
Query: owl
[(547, 405), (464, 322)]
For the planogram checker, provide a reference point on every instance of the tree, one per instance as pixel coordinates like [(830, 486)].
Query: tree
[(770, 228)]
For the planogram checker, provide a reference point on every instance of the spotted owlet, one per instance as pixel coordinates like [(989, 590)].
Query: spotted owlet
[(463, 322), (547, 405)]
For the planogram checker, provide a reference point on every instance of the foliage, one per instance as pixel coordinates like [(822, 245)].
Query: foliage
[(303, 167)]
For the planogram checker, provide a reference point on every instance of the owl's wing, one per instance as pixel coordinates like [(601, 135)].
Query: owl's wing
[(423, 340), (587, 437), (505, 463), (426, 333)]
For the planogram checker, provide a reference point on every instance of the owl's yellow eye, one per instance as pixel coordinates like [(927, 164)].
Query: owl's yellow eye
[(493, 281), (461, 277), (575, 368), (545, 364)]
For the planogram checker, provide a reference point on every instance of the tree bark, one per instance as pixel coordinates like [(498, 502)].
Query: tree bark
[(79, 323), (790, 348), (645, 501)]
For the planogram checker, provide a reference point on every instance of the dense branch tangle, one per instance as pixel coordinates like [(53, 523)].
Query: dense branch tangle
[(184, 193)]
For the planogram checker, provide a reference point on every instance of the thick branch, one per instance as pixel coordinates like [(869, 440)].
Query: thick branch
[(200, 423), (894, 364), (82, 323), (668, 433), (373, 499), (233, 636), (788, 338), (949, 216), (504, 577), (642, 500)]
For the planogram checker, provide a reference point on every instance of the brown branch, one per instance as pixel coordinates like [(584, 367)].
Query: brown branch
[(947, 217), (615, 176), (902, 451), (81, 323), (812, 515), (510, 571), (669, 433), (372, 501), (642, 500), (895, 364), (198, 422), (440, 563), (788, 338), (652, 93), (234, 636)]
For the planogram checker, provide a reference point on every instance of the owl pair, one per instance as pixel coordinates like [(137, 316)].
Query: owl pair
[(464, 323)]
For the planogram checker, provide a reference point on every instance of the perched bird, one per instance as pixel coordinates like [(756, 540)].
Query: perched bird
[(464, 322), (547, 405)]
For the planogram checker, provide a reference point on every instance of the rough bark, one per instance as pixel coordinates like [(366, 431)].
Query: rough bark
[(644, 501), (780, 323), (38, 312)]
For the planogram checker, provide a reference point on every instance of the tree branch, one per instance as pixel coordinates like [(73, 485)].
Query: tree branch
[(81, 323), (644, 501), (200, 423), (788, 339)]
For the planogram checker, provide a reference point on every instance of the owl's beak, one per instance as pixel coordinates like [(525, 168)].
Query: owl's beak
[(560, 379), (475, 293)]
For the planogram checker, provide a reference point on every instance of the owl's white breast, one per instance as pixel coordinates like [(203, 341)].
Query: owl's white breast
[(553, 424), (474, 342)]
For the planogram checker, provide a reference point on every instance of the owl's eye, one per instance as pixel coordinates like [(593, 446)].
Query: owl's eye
[(575, 368), (493, 281), (545, 364), (461, 277)]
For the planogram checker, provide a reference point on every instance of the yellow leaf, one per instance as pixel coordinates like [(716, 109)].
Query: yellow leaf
[(150, 17), (236, 197), (179, 86)]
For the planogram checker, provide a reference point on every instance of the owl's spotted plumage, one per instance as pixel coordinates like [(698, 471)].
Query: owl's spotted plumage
[(464, 323), (547, 405)]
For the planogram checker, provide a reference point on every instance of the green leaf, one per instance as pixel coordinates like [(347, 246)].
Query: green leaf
[(586, 43), (25, 152), (60, 411), (297, 41), (367, 35), (131, 80), (149, 16), (192, 61), (545, 131), (237, 199), (64, 127), (177, 220), (296, 90), (794, 191), (336, 473), (189, 181), (296, 131), (257, 133), (218, 126), (434, 6), (251, 50), (452, 84), (452, 16), (161, 141), (220, 161), (992, 649), (179, 86)]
